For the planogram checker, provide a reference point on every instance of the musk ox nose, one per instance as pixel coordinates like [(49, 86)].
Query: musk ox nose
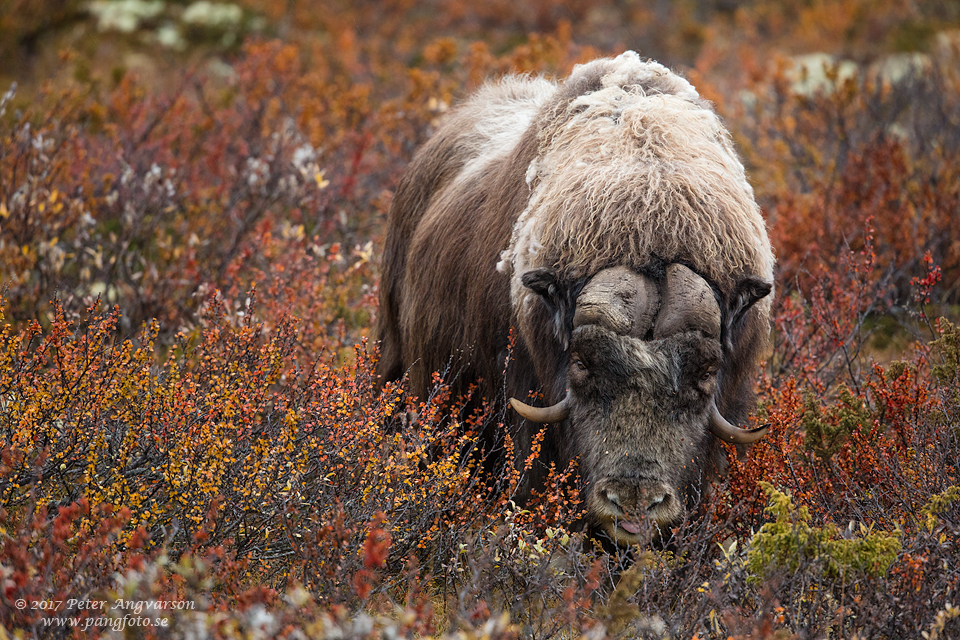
[(618, 504)]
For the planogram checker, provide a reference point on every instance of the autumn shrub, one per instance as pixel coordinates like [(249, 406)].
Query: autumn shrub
[(865, 452), (846, 135), (231, 448), (148, 201), (236, 478), (875, 149)]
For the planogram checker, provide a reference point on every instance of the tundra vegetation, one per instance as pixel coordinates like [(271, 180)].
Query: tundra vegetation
[(192, 198)]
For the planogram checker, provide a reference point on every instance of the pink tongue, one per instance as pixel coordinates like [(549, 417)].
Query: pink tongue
[(630, 527)]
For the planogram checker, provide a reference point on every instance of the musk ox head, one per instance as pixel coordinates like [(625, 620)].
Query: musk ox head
[(640, 410)]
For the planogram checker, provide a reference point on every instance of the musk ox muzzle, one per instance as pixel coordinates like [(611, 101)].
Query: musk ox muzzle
[(641, 403)]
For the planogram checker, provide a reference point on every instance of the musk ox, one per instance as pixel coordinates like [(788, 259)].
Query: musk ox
[(608, 220)]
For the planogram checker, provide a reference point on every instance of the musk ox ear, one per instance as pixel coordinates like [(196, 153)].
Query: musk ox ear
[(560, 298), (746, 293)]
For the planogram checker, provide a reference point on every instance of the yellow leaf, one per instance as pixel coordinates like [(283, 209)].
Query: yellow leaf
[(321, 183)]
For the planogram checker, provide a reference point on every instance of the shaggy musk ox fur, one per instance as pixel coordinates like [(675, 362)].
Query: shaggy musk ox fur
[(608, 219)]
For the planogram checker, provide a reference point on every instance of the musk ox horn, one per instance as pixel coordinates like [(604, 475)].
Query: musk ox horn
[(687, 304), (555, 413), (729, 433), (619, 300)]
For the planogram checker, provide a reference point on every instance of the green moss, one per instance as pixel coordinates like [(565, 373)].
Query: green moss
[(886, 333), (896, 368), (826, 433), (619, 611), (947, 349), (937, 505), (913, 35), (789, 542)]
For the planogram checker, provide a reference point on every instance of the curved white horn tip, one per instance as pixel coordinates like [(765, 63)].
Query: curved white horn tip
[(727, 432), (555, 413)]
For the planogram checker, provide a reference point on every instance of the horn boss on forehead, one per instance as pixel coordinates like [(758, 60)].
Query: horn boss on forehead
[(688, 304), (594, 244), (621, 300)]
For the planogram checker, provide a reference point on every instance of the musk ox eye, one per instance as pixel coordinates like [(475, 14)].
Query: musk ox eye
[(707, 375), (578, 370)]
